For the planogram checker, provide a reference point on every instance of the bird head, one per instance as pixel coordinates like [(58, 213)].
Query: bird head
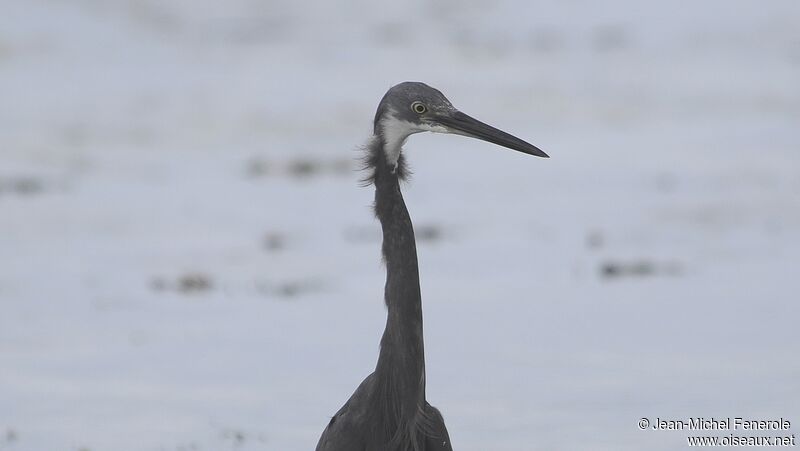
[(414, 107)]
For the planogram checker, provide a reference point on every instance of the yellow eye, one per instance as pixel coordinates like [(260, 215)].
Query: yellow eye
[(419, 107)]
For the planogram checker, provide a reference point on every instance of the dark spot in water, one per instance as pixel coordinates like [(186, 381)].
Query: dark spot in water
[(10, 436), (637, 268), (21, 186), (428, 233), (303, 168), (274, 242), (238, 437), (258, 168), (391, 33), (595, 239), (610, 38), (186, 283), (289, 289), (299, 168), (195, 282)]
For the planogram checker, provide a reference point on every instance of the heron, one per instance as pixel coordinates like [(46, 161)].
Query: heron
[(389, 410)]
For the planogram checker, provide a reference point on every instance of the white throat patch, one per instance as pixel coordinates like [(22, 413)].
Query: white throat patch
[(396, 131)]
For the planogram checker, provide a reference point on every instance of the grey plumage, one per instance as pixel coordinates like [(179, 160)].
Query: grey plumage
[(389, 410)]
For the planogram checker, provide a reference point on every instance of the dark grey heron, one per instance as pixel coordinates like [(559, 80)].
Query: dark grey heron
[(388, 411)]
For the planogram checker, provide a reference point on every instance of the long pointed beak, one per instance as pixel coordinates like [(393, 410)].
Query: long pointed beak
[(461, 124)]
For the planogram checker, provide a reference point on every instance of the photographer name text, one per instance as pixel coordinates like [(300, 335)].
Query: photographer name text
[(721, 424)]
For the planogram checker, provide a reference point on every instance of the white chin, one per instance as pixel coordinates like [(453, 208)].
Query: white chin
[(435, 128), (396, 131)]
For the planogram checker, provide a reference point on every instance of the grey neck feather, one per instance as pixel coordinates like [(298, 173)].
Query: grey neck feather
[(400, 371)]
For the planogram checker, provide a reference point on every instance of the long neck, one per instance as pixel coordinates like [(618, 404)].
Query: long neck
[(401, 365)]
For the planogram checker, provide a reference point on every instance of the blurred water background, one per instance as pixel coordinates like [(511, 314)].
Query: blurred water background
[(187, 261)]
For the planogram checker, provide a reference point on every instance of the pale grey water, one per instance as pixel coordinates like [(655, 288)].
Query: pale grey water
[(188, 261)]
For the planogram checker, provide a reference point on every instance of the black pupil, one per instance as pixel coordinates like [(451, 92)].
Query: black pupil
[(419, 108)]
